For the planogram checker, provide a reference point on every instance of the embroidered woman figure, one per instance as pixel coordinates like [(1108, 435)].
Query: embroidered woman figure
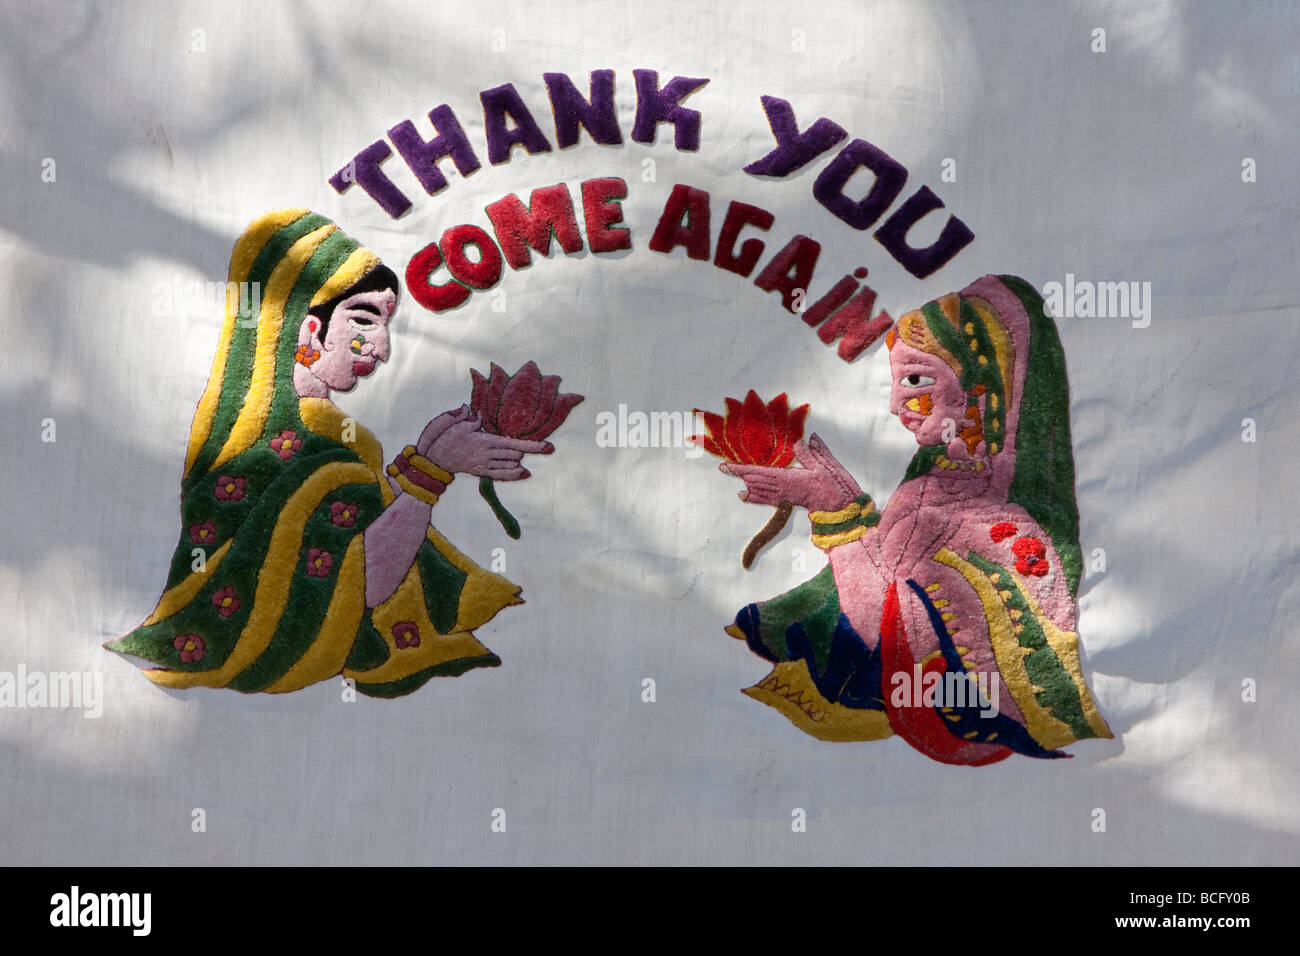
[(301, 556), (947, 617)]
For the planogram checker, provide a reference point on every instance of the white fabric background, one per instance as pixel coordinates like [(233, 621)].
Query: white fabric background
[(1117, 166)]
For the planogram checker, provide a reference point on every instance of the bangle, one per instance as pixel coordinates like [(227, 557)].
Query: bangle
[(411, 488), (833, 528), (416, 480), (402, 467), (423, 464)]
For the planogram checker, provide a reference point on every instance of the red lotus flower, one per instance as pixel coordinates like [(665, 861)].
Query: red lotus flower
[(754, 433), (1031, 556), (527, 404)]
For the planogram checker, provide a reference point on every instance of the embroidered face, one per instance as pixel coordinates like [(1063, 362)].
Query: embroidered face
[(355, 339), (926, 394)]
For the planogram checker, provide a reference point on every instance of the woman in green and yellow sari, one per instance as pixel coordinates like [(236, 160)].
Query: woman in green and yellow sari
[(301, 556)]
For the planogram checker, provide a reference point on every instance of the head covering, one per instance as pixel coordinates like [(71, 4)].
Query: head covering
[(266, 589), (998, 338), (295, 259)]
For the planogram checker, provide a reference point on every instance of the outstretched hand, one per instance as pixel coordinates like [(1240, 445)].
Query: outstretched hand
[(819, 483), (455, 441), (439, 425)]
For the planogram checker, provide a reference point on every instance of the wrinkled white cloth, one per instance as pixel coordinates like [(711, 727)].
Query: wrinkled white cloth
[(140, 139)]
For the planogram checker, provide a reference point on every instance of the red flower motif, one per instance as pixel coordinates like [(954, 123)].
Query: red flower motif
[(406, 634), (344, 514), (204, 533), (229, 488), (527, 404), (754, 433), (1031, 556), (226, 602), (306, 355), (190, 646), (318, 562), (285, 444), (1001, 531)]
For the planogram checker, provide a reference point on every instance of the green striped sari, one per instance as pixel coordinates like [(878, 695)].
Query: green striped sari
[(266, 588)]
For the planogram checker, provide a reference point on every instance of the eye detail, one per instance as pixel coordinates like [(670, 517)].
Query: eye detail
[(362, 322), (916, 381)]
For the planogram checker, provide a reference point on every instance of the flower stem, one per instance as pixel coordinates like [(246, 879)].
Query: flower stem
[(769, 531), (489, 492)]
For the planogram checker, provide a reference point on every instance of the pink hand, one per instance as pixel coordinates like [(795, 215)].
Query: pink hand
[(464, 448), (439, 425), (820, 483)]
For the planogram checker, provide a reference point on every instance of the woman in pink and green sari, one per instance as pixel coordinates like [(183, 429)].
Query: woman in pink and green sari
[(971, 570)]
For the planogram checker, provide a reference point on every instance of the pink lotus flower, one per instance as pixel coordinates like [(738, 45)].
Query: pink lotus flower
[(226, 602), (229, 488), (285, 444), (527, 404), (318, 562), (190, 646)]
